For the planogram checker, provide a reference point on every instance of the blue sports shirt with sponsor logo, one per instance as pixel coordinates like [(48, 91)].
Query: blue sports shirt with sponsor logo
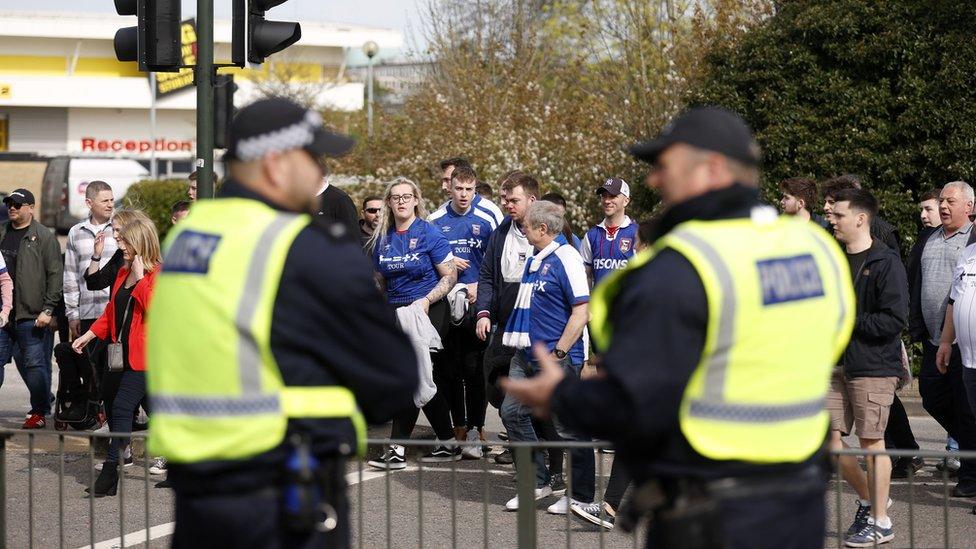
[(560, 285), (408, 261), (605, 254), (468, 234), (489, 208)]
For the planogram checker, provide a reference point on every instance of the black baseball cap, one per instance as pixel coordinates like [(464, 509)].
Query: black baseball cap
[(710, 128), (277, 125), (614, 186), (19, 197)]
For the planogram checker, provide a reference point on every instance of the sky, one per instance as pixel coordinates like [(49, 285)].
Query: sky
[(401, 15)]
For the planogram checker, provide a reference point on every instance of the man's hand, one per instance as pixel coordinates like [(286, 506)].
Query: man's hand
[(461, 264), (942, 357), (472, 292), (99, 243), (74, 329), (536, 391), (482, 328), (43, 320), (3, 320)]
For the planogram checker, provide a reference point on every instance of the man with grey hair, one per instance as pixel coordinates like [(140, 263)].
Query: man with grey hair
[(941, 385), (550, 311)]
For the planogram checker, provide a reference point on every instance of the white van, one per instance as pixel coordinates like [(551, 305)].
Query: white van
[(66, 179)]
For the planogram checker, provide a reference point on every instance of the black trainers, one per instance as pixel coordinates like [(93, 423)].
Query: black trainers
[(558, 484), (392, 459), (442, 454), (591, 512), (902, 465), (505, 458)]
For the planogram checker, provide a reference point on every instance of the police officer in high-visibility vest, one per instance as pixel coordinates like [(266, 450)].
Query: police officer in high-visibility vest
[(717, 346), (260, 335)]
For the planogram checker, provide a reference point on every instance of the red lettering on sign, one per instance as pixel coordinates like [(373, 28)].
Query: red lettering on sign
[(90, 144)]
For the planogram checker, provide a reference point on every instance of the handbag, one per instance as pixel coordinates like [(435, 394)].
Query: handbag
[(115, 352)]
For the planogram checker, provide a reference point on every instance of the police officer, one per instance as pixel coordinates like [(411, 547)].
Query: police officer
[(717, 349), (260, 322)]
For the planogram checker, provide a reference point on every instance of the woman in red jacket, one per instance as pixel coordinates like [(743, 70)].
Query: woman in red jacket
[(124, 322)]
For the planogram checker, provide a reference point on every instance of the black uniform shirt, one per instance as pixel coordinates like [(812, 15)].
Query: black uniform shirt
[(659, 320), (329, 326)]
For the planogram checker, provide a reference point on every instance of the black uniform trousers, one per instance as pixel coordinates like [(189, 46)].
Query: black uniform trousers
[(249, 521), (944, 398)]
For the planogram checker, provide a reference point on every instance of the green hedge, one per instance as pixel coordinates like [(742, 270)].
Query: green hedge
[(156, 199), (883, 89)]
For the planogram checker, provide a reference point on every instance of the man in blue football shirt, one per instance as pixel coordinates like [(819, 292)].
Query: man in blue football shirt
[(478, 202), (607, 246), (467, 229), (551, 309)]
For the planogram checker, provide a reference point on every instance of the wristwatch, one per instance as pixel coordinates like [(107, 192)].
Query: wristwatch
[(48, 312), (560, 354)]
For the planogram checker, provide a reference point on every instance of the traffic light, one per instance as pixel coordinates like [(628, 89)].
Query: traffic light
[(155, 41), (224, 89), (267, 37)]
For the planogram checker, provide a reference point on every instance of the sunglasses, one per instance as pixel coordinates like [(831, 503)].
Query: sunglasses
[(14, 205), (372, 210)]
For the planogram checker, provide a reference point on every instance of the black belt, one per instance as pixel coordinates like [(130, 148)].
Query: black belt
[(809, 479)]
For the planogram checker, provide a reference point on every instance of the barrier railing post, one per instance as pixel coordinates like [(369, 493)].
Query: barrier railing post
[(526, 497), (3, 491)]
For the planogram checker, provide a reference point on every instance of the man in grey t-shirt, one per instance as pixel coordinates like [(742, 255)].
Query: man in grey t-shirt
[(944, 395)]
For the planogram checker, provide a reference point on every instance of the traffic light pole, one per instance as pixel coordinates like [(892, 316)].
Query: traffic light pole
[(205, 99)]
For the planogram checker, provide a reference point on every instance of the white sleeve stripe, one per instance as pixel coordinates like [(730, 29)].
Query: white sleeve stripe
[(491, 208), (439, 213), (586, 252), (573, 265), (487, 217)]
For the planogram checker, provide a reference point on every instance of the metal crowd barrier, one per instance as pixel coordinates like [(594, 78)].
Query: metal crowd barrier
[(458, 503)]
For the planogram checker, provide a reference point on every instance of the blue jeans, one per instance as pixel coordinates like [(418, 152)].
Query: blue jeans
[(517, 419), (33, 360), (132, 389)]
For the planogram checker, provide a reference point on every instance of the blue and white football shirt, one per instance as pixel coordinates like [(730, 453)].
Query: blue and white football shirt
[(604, 253), (468, 234), (561, 284), (408, 261)]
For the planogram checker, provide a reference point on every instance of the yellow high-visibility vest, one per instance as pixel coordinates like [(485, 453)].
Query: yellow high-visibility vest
[(780, 313), (215, 389)]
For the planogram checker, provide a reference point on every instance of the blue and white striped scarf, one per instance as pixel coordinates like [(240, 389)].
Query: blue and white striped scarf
[(517, 330)]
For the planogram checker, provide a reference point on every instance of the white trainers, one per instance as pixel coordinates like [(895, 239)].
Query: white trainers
[(540, 493), (472, 451), (561, 507), (158, 466)]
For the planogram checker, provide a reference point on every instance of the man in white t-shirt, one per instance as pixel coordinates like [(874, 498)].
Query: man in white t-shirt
[(960, 322)]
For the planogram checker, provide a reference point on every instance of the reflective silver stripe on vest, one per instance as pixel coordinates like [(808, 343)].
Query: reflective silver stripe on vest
[(834, 268), (248, 354), (215, 406), (718, 363), (755, 413)]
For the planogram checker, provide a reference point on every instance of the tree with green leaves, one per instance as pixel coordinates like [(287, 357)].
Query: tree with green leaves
[(882, 89)]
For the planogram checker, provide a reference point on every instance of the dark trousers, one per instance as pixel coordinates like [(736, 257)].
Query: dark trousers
[(132, 389), (898, 433), (437, 411), (944, 398), (248, 521), (782, 521), (620, 480), (466, 393)]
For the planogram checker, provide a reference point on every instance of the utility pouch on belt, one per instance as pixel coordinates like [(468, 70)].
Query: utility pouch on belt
[(692, 521), (310, 490)]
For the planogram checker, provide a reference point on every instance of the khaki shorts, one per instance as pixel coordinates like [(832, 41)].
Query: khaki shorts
[(860, 402)]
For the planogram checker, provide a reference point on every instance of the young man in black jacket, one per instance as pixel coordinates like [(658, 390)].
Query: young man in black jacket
[(863, 385)]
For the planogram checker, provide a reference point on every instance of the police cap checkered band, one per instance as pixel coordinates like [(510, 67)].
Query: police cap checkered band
[(279, 125)]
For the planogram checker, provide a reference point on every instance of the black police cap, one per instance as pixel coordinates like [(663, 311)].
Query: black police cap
[(709, 128), (278, 125)]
